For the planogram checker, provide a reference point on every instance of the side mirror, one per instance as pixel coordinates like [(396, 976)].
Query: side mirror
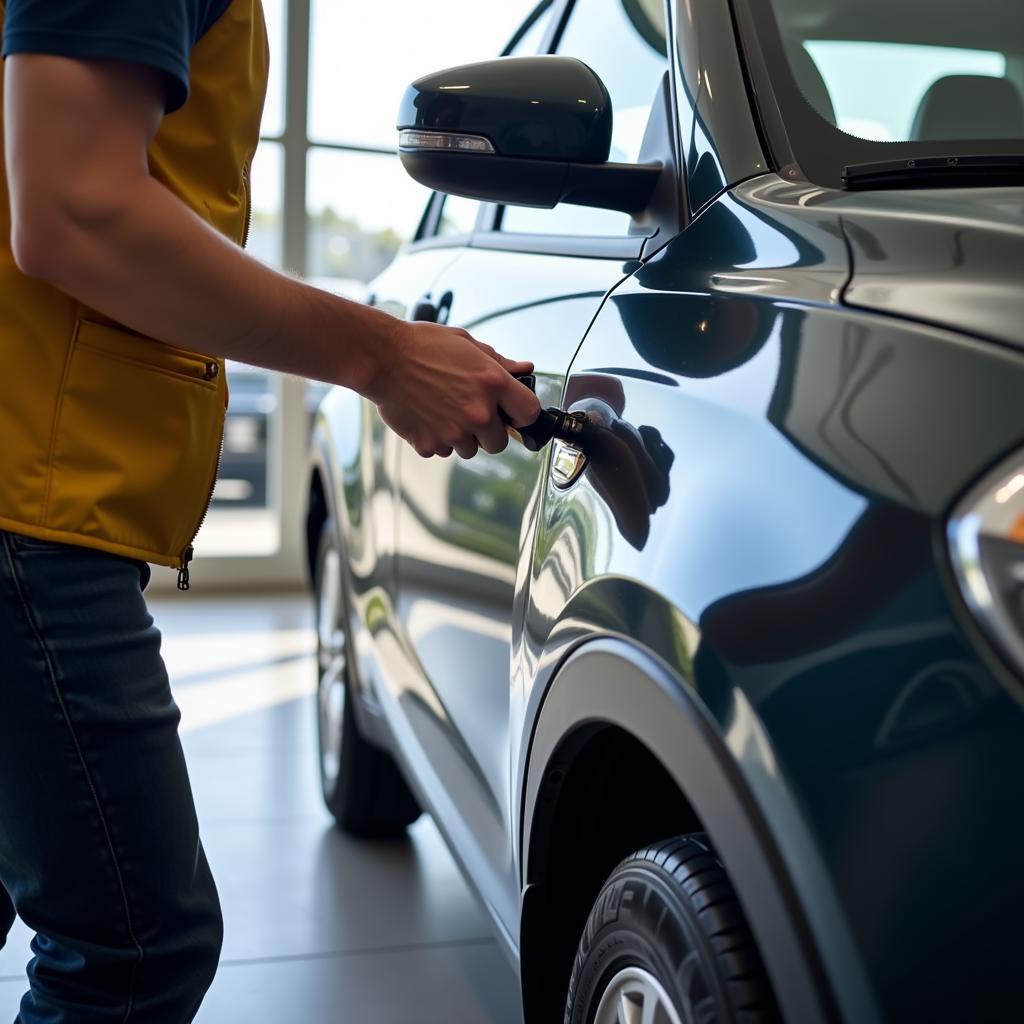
[(526, 131)]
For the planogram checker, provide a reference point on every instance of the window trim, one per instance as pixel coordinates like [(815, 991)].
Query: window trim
[(488, 234), (426, 236), (531, 20), (611, 247), (797, 133), (563, 18)]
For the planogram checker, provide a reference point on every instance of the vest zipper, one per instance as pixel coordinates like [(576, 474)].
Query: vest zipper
[(183, 580), (184, 583), (247, 187), (212, 370)]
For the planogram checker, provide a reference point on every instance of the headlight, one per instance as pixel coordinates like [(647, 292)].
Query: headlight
[(987, 539)]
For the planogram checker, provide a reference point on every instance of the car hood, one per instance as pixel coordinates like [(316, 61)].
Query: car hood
[(953, 257)]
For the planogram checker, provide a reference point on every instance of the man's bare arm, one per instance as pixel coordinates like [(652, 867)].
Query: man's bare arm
[(88, 217)]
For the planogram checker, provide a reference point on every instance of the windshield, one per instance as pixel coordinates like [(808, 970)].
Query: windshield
[(857, 81)]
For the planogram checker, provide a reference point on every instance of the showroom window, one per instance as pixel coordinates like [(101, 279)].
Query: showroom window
[(331, 204)]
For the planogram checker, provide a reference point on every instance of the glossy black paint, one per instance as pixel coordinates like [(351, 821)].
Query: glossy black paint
[(960, 265), (537, 108), (549, 120), (750, 579), (718, 129), (818, 452)]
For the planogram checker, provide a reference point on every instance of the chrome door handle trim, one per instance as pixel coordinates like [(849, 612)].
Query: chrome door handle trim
[(567, 463)]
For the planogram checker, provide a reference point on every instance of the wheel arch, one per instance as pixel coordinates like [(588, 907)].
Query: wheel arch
[(320, 499), (340, 474), (627, 708)]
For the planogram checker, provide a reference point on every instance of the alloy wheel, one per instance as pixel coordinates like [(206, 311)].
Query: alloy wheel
[(635, 996), (332, 656)]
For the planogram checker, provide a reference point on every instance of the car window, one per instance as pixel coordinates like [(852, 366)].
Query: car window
[(530, 42), (624, 42), (458, 215), (861, 84), (884, 105)]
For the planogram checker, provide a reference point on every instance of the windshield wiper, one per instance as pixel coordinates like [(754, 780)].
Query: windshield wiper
[(937, 172)]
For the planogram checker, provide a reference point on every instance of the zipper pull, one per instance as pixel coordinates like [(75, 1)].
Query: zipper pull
[(183, 580)]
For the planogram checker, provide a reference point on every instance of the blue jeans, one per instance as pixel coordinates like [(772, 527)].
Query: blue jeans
[(99, 843)]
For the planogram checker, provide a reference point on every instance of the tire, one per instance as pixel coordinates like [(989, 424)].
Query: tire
[(667, 928), (362, 786)]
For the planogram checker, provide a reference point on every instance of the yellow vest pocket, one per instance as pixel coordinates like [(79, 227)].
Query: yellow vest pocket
[(135, 443)]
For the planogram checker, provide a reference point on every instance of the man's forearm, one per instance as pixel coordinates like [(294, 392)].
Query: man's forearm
[(146, 260), (87, 216)]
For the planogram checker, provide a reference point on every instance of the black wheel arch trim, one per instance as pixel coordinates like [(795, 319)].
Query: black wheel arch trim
[(319, 463), (610, 680)]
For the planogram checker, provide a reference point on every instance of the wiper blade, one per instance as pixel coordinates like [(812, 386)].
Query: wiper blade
[(937, 172)]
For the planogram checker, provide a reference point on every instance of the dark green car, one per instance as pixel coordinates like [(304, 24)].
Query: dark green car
[(719, 709)]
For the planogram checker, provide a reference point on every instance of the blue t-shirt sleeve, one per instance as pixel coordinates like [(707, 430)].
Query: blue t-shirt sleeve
[(158, 33)]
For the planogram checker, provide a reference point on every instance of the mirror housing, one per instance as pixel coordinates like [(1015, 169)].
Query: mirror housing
[(526, 131)]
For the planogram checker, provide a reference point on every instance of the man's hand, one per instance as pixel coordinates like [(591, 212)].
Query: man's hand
[(444, 391), (89, 218)]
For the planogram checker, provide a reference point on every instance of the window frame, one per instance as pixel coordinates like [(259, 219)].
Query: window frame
[(802, 144), (427, 236), (488, 234)]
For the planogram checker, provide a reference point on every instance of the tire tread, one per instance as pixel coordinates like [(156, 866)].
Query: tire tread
[(371, 798), (693, 866)]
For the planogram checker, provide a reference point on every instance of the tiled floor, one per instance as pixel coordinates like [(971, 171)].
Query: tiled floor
[(319, 928)]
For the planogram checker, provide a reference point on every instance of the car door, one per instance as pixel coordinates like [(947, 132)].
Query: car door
[(529, 282)]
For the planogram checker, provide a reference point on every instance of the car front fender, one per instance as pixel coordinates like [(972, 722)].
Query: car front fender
[(756, 826)]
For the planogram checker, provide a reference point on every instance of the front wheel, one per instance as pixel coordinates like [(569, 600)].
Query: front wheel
[(667, 943), (361, 783)]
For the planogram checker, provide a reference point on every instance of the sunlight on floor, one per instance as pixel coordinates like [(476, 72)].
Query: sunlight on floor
[(242, 692), (238, 672), (319, 927)]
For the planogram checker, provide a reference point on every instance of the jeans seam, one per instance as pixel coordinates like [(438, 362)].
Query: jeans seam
[(51, 670)]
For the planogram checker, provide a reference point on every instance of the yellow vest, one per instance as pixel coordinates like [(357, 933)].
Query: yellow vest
[(108, 439)]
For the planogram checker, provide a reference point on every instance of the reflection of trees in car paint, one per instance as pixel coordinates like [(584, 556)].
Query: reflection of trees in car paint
[(489, 506)]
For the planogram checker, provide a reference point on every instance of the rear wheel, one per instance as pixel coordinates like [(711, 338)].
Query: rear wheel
[(362, 786), (667, 943)]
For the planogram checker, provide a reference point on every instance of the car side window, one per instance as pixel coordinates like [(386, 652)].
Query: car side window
[(458, 215), (530, 42), (624, 41)]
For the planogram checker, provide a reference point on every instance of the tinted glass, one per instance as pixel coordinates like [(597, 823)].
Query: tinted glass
[(883, 105), (458, 216), (624, 42), (852, 77)]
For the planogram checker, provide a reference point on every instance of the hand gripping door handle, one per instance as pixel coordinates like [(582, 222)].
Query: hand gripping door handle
[(564, 430)]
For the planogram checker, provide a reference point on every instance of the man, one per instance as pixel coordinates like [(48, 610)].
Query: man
[(129, 127)]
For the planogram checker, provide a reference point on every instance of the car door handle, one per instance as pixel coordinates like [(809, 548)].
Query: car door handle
[(432, 313), (567, 463)]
